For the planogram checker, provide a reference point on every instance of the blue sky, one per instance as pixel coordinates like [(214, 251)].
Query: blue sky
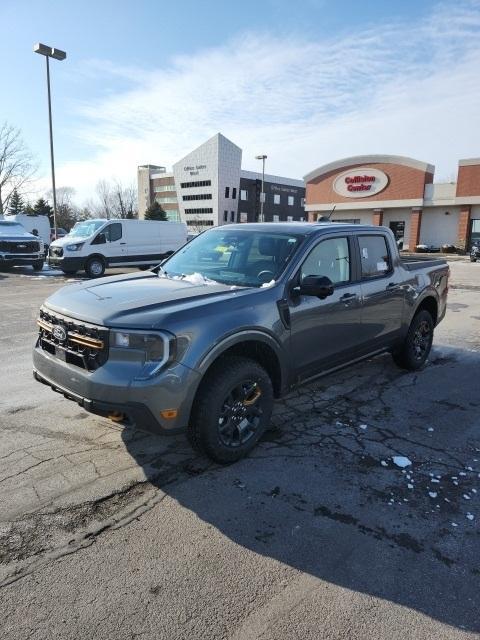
[(305, 82)]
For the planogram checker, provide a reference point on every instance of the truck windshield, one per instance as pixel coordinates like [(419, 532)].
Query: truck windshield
[(237, 257), (86, 229), (7, 228)]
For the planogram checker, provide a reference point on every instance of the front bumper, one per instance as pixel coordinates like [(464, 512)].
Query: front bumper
[(17, 259), (112, 389), (66, 263)]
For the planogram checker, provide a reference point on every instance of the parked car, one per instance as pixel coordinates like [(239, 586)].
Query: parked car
[(206, 345), (61, 233), (19, 247), (94, 245), (427, 248), (475, 251), (37, 225)]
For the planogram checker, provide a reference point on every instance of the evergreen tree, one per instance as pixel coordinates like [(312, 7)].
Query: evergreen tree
[(155, 212), (42, 208), (16, 205)]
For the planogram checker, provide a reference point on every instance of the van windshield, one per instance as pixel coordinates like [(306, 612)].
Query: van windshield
[(86, 229), (247, 258)]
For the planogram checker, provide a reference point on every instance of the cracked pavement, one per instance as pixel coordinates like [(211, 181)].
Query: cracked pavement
[(111, 532)]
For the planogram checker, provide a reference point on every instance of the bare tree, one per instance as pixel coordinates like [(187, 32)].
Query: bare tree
[(67, 211), (116, 200), (104, 195), (17, 166)]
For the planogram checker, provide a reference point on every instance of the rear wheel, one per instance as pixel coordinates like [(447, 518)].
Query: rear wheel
[(416, 347), (232, 409), (95, 267)]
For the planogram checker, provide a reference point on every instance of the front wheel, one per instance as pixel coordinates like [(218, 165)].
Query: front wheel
[(95, 267), (232, 409), (37, 265), (415, 350)]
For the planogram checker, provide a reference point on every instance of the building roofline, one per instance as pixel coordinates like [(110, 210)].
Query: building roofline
[(466, 162), (255, 175), (370, 159)]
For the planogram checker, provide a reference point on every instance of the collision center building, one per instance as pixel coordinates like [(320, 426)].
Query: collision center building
[(399, 193)]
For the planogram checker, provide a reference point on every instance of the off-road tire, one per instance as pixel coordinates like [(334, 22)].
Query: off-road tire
[(37, 265), (204, 430), (92, 269), (411, 355)]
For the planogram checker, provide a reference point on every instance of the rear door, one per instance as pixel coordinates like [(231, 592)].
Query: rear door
[(325, 333), (382, 291)]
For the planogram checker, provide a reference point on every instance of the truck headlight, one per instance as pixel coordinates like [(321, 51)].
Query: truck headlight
[(74, 247), (157, 348)]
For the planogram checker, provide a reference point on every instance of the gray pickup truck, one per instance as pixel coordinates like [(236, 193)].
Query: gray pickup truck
[(235, 318), (19, 247)]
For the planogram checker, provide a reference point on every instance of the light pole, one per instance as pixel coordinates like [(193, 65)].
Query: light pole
[(262, 196), (51, 52)]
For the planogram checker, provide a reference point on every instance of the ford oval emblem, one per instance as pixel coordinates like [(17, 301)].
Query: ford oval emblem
[(59, 333)]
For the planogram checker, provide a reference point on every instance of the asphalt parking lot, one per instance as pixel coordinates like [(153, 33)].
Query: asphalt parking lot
[(109, 532)]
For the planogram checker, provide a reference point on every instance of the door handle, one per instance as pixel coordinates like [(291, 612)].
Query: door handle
[(348, 297), (391, 285), (123, 243)]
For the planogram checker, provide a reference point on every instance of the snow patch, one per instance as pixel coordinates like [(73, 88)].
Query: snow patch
[(267, 285), (401, 461), (432, 494), (470, 516)]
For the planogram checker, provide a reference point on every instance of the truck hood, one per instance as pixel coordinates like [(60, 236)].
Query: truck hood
[(133, 300), (19, 237)]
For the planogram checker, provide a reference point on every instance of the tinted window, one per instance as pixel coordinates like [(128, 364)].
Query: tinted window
[(329, 258), (113, 231), (374, 256)]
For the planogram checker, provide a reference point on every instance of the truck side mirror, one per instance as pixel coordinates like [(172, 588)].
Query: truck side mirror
[(319, 286)]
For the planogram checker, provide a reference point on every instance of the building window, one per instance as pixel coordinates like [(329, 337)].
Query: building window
[(204, 210), (200, 223), (227, 192), (165, 199), (234, 193), (348, 220), (164, 187), (198, 196), (291, 201), (302, 202), (289, 218), (276, 198), (243, 217), (198, 183), (225, 216), (276, 218), (232, 216), (243, 194)]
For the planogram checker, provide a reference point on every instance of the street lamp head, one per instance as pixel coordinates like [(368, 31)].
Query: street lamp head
[(262, 157), (50, 52)]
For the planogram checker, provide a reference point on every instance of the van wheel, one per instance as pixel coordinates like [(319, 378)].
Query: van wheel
[(37, 265), (232, 409), (95, 267), (416, 347)]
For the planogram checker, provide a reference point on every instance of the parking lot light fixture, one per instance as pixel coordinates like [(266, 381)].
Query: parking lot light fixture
[(57, 54), (262, 157)]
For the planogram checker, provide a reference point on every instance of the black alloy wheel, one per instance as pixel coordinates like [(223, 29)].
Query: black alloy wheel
[(232, 409), (416, 347)]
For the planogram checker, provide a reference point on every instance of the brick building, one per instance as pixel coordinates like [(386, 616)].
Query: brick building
[(399, 193)]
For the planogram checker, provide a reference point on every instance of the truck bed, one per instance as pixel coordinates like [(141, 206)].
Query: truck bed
[(414, 264)]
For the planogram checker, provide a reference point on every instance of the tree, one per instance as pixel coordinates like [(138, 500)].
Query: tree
[(16, 164), (42, 208), (16, 204), (155, 212), (116, 200), (67, 212)]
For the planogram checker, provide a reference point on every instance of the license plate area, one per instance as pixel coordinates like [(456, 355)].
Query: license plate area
[(61, 354)]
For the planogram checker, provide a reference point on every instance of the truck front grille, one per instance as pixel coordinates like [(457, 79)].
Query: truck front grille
[(79, 343), (16, 246)]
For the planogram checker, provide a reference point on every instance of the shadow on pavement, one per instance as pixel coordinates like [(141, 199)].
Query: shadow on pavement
[(322, 494)]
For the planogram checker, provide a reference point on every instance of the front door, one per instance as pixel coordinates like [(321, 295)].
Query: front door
[(115, 247), (325, 333)]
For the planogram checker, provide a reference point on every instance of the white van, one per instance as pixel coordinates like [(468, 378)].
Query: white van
[(94, 245), (38, 225)]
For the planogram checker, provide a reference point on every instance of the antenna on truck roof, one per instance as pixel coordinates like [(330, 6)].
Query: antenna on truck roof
[(327, 218)]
